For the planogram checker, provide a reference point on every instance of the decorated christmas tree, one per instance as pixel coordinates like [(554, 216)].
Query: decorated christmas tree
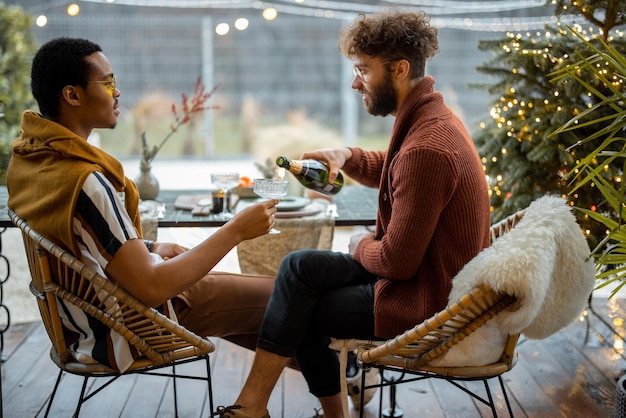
[(521, 158)]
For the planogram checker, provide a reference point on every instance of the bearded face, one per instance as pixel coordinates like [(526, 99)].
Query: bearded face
[(382, 96)]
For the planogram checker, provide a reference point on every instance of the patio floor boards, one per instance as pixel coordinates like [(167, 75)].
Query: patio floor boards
[(562, 376)]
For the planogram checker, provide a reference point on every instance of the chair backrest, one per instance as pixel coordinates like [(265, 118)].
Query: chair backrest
[(56, 274), (505, 225), (433, 338)]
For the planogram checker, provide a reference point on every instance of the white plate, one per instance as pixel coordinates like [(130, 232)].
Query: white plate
[(311, 209), (291, 203)]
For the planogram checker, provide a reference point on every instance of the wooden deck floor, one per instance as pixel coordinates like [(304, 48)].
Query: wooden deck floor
[(561, 376)]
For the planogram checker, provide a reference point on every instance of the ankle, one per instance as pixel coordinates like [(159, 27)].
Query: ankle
[(255, 413), (249, 410)]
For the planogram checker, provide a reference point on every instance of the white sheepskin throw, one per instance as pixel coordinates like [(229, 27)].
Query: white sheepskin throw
[(544, 262)]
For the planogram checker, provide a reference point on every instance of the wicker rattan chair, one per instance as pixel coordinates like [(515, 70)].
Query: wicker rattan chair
[(412, 352), (162, 342)]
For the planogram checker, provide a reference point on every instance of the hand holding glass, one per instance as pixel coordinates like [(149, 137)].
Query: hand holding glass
[(225, 181), (271, 189)]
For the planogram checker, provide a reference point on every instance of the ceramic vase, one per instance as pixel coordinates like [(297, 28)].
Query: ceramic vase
[(147, 183)]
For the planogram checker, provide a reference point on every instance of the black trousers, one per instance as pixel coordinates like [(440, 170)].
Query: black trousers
[(317, 295)]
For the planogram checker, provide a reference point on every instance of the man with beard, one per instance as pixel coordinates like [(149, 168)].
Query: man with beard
[(433, 217)]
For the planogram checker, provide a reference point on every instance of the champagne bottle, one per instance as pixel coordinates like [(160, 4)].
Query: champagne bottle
[(312, 174)]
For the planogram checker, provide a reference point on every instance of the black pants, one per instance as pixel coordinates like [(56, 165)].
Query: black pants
[(318, 295)]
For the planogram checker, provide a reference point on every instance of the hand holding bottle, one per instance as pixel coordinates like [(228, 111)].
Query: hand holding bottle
[(334, 158), (314, 174)]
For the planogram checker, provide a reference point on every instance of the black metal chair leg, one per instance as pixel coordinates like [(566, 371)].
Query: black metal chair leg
[(490, 398), (382, 388), (175, 394), (506, 397), (393, 411), (209, 382), (80, 399), (54, 392)]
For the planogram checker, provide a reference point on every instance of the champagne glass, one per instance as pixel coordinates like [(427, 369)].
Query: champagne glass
[(225, 180), (271, 189)]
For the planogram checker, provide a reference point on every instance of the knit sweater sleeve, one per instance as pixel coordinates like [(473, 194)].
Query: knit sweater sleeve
[(421, 182), (365, 166)]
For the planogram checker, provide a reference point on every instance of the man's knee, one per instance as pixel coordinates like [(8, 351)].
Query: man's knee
[(299, 261)]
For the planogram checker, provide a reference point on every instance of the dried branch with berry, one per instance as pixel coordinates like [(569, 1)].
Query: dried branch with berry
[(197, 103)]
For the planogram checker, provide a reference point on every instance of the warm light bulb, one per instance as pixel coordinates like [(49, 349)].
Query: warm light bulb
[(222, 29), (270, 13), (73, 9), (41, 21), (241, 23)]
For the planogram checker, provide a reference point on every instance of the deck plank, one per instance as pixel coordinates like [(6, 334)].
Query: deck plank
[(559, 376), (588, 383)]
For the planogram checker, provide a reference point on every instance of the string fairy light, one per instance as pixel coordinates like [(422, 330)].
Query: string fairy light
[(441, 11), (527, 122)]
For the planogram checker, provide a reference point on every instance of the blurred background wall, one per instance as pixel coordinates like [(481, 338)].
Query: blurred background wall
[(283, 71)]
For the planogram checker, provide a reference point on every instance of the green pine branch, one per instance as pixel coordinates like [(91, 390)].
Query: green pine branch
[(521, 157)]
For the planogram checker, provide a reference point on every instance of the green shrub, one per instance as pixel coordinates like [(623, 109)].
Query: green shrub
[(17, 47)]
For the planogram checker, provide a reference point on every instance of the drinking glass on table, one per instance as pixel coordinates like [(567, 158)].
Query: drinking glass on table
[(271, 189), (225, 180)]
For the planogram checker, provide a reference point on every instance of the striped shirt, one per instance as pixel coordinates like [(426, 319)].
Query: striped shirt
[(101, 226)]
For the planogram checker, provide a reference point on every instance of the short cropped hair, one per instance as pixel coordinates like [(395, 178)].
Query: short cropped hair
[(392, 36), (59, 63)]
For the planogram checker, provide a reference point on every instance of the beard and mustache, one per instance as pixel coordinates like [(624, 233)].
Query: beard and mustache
[(383, 98)]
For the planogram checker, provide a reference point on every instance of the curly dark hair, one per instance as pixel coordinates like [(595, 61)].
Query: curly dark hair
[(392, 36), (59, 63)]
